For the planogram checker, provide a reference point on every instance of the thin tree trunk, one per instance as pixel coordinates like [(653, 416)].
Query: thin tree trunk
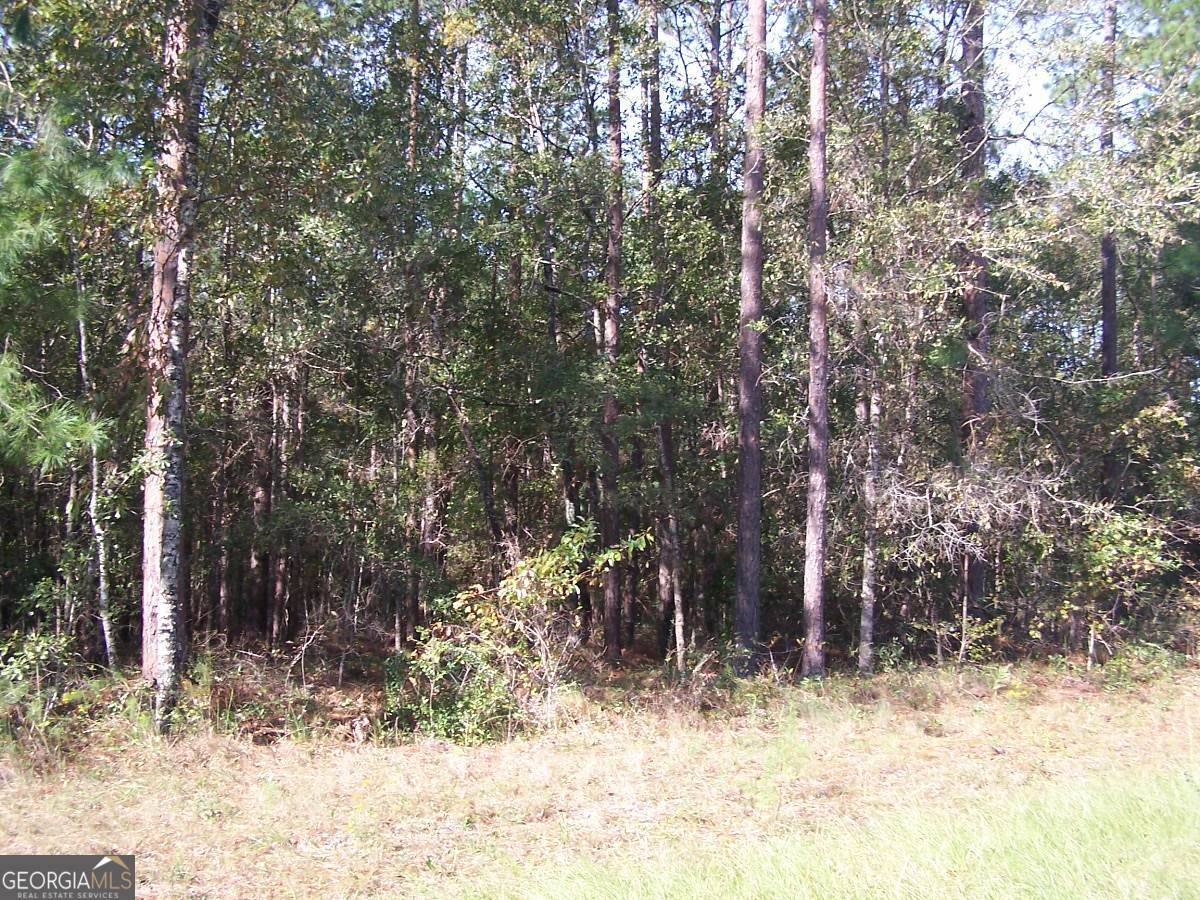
[(414, 83), (99, 530), (871, 409), (716, 136), (1108, 245), (189, 27), (512, 503), (816, 531), (100, 539), (666, 452), (219, 582), (610, 525), (669, 580), (283, 445), (430, 519), (70, 522), (977, 401), (750, 337), (630, 570), (257, 581)]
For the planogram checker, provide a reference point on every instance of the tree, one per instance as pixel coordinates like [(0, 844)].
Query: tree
[(610, 523), (750, 340), (403, 296), (818, 361), (189, 27), (973, 138), (1108, 245)]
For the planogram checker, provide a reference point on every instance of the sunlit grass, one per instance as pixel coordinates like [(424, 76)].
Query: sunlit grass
[(1001, 781), (1131, 835)]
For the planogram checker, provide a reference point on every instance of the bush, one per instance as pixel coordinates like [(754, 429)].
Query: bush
[(495, 659), (1139, 662), (38, 658), (449, 691)]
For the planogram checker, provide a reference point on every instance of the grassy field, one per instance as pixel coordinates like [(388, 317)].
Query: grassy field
[(984, 783)]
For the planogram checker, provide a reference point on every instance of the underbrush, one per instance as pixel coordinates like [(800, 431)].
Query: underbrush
[(502, 662)]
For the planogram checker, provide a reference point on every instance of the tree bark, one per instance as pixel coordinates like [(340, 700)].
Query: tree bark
[(610, 452), (257, 578), (1108, 244), (669, 580), (871, 407), (750, 337), (279, 498), (99, 529), (189, 27), (219, 552), (816, 530), (977, 401), (716, 136)]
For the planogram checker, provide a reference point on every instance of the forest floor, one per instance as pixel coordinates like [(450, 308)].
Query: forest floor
[(992, 782)]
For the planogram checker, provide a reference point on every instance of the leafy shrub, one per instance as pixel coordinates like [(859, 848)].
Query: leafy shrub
[(496, 658), (1139, 662), (36, 658), (449, 691), (36, 688)]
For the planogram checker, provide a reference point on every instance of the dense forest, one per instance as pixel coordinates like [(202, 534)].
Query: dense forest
[(510, 336)]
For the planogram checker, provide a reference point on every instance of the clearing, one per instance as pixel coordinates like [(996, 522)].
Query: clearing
[(996, 782)]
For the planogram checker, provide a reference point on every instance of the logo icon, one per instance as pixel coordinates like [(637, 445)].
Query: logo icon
[(44, 877)]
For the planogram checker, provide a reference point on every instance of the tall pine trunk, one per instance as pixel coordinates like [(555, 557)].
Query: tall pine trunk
[(750, 338), (976, 401), (869, 409), (610, 525), (670, 576), (188, 29), (1108, 244), (813, 662)]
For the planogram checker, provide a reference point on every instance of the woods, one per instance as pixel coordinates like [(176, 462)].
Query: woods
[(531, 339)]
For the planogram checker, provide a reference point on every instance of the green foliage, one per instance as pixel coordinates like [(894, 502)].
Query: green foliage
[(494, 660), (450, 691), (392, 352), (1139, 662), (38, 432), (36, 658), (35, 670)]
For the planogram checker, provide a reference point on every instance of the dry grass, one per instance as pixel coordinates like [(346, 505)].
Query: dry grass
[(213, 816)]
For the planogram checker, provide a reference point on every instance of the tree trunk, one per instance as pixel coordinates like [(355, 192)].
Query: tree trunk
[(666, 451), (610, 525), (189, 27), (283, 445), (669, 580), (1108, 245), (218, 586), (870, 411), (750, 337), (977, 402), (257, 580), (716, 136), (99, 529), (813, 663)]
